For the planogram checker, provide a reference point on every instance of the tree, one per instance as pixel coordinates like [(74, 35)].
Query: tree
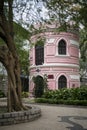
[(9, 56), (8, 52), (65, 10), (83, 51), (22, 44), (39, 86)]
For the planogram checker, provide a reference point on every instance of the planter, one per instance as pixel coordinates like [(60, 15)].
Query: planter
[(20, 116)]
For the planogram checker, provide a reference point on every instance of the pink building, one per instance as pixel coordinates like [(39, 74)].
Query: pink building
[(58, 58)]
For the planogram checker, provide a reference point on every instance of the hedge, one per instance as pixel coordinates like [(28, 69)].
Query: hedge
[(72, 96), (66, 102), (67, 94)]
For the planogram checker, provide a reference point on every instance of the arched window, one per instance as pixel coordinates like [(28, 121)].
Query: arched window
[(62, 47), (39, 86), (62, 82), (39, 54)]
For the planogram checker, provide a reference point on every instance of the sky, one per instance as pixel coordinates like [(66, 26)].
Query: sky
[(30, 12), (2, 69)]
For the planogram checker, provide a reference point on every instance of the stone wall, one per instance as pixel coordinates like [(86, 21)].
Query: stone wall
[(20, 117)]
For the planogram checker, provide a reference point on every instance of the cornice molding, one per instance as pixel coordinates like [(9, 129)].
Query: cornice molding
[(55, 65)]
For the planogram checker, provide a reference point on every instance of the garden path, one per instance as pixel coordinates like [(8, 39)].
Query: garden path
[(55, 117)]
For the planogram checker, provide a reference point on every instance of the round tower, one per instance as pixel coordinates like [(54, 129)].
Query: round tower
[(58, 58)]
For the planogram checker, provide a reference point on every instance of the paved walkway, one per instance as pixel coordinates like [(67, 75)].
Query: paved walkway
[(55, 117)]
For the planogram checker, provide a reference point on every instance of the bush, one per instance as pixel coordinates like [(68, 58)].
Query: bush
[(41, 100), (82, 93), (67, 94), (66, 102), (72, 96), (25, 94), (48, 94), (2, 94)]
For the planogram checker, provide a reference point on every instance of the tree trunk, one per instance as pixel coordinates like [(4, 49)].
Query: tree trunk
[(12, 66), (9, 57)]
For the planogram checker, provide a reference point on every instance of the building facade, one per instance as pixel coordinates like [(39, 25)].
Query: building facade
[(58, 58)]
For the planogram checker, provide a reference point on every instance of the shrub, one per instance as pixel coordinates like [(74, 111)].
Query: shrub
[(67, 94), (66, 102), (25, 94), (82, 93), (72, 96), (48, 94), (41, 100)]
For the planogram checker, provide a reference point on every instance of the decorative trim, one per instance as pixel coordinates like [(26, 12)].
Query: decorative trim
[(55, 65), (67, 50), (74, 42), (62, 55), (77, 77), (50, 40)]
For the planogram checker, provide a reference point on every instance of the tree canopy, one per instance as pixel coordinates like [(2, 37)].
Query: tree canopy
[(65, 10), (21, 39)]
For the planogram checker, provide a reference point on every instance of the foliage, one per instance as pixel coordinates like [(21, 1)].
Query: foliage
[(73, 96), (24, 59), (83, 52), (9, 56), (66, 102), (63, 11), (2, 94), (83, 44), (21, 40), (67, 94), (40, 41), (45, 82), (41, 85), (25, 94), (20, 31)]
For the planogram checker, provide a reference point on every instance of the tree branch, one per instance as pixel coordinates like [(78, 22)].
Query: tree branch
[(2, 36), (10, 15)]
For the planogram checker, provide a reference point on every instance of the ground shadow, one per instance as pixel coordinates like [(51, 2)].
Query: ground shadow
[(75, 126)]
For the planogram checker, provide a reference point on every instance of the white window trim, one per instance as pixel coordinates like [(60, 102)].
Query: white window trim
[(67, 53)]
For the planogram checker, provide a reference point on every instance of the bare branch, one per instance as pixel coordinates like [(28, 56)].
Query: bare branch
[(3, 37)]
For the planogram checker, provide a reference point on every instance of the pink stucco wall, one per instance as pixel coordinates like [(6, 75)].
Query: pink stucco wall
[(55, 64)]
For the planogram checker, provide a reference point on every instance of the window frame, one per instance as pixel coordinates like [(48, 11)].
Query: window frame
[(62, 81), (39, 54), (62, 49)]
